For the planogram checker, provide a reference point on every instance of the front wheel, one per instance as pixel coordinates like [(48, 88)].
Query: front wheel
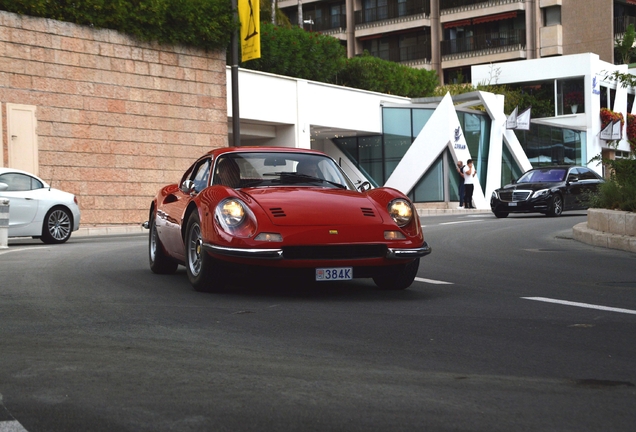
[(57, 226), (557, 206), (500, 214), (160, 262), (397, 277), (204, 273)]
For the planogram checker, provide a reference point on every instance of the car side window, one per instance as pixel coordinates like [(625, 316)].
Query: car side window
[(201, 175), (587, 174), (20, 182)]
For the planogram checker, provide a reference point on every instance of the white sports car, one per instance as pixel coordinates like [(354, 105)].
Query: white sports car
[(36, 209)]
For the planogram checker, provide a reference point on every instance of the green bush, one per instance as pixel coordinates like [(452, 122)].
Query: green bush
[(619, 192), (292, 51), (206, 24), (374, 74)]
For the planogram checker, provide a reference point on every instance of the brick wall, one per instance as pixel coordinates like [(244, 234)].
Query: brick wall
[(116, 118)]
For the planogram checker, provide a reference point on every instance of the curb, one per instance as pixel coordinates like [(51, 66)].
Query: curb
[(109, 230), (582, 233)]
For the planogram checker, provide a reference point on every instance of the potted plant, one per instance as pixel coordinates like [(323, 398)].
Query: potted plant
[(573, 99)]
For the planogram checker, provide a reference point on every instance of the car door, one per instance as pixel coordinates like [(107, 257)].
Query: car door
[(23, 194), (572, 189), (589, 182), (170, 216)]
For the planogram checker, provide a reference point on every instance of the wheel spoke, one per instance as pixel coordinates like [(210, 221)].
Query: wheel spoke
[(59, 225)]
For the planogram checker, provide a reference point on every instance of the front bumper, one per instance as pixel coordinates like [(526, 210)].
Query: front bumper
[(538, 205), (280, 253)]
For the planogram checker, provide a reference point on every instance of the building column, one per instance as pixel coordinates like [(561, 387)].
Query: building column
[(351, 28), (533, 26), (436, 37)]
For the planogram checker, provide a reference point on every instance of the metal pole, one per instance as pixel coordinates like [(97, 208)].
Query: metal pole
[(236, 116)]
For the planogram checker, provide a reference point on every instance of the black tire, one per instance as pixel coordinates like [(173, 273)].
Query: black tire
[(57, 226), (556, 207), (204, 272), (160, 262), (397, 277), (500, 214)]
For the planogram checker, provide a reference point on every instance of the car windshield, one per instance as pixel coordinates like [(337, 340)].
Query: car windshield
[(543, 175), (247, 169)]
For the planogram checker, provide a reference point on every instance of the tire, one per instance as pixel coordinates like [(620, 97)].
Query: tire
[(556, 209), (204, 272), (160, 262), (57, 226), (397, 277), (499, 214)]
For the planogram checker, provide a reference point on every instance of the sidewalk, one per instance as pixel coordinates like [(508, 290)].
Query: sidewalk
[(85, 231)]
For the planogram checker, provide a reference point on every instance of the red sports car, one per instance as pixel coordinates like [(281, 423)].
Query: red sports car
[(286, 209)]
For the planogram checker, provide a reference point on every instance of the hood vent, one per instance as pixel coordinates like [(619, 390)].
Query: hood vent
[(367, 211), (277, 212)]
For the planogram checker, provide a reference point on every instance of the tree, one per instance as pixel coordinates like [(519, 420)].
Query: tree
[(625, 46)]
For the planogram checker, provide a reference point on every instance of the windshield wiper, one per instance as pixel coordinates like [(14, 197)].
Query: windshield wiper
[(294, 177)]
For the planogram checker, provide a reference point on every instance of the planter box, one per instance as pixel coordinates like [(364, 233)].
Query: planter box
[(612, 229)]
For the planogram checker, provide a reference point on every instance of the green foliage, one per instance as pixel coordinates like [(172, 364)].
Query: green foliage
[(206, 24), (619, 192), (298, 53), (625, 46), (374, 74)]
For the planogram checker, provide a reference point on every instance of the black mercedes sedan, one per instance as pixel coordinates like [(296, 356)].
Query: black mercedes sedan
[(547, 190)]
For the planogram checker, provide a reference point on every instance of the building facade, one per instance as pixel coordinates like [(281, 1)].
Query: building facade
[(450, 36)]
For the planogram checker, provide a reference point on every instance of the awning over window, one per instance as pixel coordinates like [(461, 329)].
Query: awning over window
[(457, 23), (497, 17), (631, 2)]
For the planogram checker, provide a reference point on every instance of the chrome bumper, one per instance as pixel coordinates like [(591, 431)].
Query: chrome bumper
[(409, 253), (276, 254)]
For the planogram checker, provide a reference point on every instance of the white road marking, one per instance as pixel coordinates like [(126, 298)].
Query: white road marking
[(433, 281), (11, 426), (460, 222), (583, 305), (5, 251)]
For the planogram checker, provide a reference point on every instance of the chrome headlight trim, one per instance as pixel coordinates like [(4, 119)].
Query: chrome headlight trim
[(540, 193), (400, 211)]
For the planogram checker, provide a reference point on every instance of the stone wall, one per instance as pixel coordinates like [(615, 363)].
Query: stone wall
[(611, 229), (116, 118)]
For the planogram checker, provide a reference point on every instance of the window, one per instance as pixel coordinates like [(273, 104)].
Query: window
[(552, 16), (20, 182), (202, 174)]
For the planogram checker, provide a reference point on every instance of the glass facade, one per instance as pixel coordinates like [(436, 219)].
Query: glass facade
[(378, 156)]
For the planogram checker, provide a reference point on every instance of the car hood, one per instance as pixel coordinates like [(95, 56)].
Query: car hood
[(530, 186), (315, 206)]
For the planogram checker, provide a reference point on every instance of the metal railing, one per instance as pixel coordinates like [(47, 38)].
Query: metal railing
[(461, 4), (492, 41), (405, 54), (393, 10), (328, 23), (621, 23)]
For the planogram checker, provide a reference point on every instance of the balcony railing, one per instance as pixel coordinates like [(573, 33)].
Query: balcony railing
[(463, 4), (621, 23), (405, 54), (393, 10), (484, 42), (328, 23)]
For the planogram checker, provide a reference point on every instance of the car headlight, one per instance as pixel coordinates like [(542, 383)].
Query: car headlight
[(401, 211), (235, 217), (540, 193), (494, 195)]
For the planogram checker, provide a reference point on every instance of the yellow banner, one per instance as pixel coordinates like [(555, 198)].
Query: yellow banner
[(249, 15)]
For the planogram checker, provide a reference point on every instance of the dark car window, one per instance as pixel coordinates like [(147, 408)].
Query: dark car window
[(20, 182), (587, 174), (543, 175)]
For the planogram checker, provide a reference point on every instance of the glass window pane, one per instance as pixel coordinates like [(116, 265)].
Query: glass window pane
[(431, 187)]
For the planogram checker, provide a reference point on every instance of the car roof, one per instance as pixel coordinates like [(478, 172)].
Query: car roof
[(223, 150)]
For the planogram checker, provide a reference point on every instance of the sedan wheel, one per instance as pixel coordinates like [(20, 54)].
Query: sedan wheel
[(204, 273), (57, 227), (557, 206), (500, 214), (397, 277), (160, 263)]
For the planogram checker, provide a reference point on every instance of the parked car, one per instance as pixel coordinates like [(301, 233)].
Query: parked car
[(36, 209), (547, 190), (283, 209)]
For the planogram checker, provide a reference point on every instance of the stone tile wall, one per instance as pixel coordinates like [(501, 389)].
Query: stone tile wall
[(116, 118)]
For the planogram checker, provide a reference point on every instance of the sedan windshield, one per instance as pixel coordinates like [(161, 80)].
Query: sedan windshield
[(543, 175), (278, 169)]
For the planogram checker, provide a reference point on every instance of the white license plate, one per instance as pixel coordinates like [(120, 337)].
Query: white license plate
[(334, 273), (512, 204)]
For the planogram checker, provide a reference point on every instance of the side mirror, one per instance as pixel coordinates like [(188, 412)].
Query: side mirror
[(187, 186), (364, 186), (3, 187), (573, 178)]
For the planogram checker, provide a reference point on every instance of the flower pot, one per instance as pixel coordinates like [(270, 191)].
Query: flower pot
[(574, 108)]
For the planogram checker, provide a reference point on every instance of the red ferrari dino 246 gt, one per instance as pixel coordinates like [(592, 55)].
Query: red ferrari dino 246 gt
[(286, 209)]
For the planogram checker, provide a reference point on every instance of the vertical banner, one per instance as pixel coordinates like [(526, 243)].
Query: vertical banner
[(511, 121), (523, 120), (249, 15)]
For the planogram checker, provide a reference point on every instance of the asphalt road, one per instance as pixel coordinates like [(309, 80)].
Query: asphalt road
[(511, 325)]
